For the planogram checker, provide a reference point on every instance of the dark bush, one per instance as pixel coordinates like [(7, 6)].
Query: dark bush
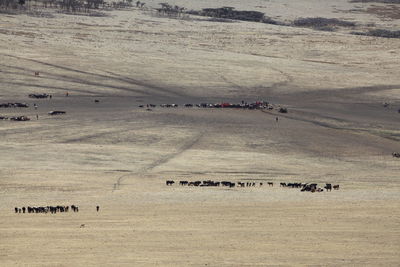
[(229, 13), (322, 23), (268, 20), (377, 1), (380, 33)]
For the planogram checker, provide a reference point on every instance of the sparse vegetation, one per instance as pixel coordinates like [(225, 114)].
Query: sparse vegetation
[(169, 10), (230, 13), (324, 24), (69, 6), (380, 33), (377, 1)]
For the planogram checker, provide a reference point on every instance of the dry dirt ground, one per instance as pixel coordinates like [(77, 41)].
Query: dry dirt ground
[(117, 155)]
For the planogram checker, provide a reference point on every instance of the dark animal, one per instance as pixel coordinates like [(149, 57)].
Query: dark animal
[(270, 184), (396, 154), (169, 182), (336, 187), (183, 182), (309, 188), (283, 184), (97, 208), (74, 208), (328, 187)]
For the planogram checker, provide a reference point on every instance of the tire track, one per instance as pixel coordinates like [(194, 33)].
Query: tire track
[(334, 127), (186, 146)]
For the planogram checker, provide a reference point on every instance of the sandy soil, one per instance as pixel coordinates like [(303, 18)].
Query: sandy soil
[(117, 155)]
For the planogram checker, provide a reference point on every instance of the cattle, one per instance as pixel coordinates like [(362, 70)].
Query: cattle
[(309, 188), (226, 183), (328, 187), (396, 154), (270, 184), (336, 187), (46, 209), (196, 183), (282, 185), (183, 182), (169, 182)]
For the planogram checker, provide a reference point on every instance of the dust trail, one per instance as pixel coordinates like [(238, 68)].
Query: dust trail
[(186, 146)]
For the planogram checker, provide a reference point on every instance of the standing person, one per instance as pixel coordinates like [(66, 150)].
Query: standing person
[(276, 119), (97, 208), (37, 116)]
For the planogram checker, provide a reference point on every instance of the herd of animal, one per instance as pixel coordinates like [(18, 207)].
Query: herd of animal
[(242, 105), (40, 96), (49, 209), (15, 118), (302, 186), (14, 105), (25, 105), (46, 209)]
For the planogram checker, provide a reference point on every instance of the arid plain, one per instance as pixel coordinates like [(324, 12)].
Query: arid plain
[(118, 156)]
